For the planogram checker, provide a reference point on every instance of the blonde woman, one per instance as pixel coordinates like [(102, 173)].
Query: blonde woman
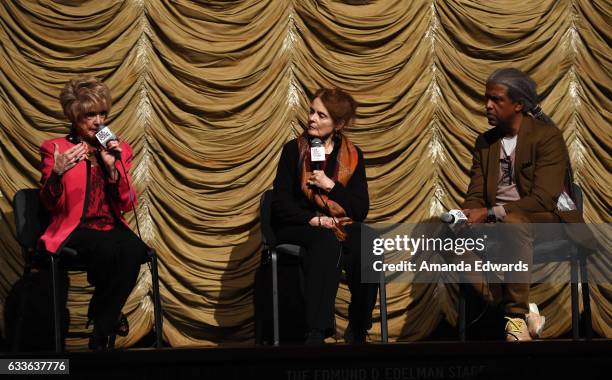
[(86, 192)]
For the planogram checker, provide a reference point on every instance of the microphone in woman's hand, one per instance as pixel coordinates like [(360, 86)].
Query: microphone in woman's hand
[(317, 153), (104, 136)]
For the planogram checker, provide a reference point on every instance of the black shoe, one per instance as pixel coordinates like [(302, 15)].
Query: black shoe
[(355, 335), (123, 327), (98, 342), (359, 337), (101, 342), (314, 337)]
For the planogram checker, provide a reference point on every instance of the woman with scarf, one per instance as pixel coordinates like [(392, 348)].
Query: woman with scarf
[(321, 210)]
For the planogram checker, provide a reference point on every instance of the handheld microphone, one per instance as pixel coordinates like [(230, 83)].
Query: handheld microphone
[(454, 217), (104, 136), (317, 153)]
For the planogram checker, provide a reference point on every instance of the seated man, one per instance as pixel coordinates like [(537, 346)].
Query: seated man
[(520, 168)]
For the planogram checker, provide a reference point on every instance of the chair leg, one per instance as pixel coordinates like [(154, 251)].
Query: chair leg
[(461, 313), (574, 297), (157, 308), (383, 308), (586, 298), (274, 257), (57, 325), (111, 342)]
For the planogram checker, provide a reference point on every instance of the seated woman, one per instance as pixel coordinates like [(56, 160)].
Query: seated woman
[(321, 210), (86, 193)]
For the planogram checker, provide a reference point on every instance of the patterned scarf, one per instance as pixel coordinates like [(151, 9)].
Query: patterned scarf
[(345, 167)]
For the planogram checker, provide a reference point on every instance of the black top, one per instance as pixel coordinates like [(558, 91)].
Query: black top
[(291, 207)]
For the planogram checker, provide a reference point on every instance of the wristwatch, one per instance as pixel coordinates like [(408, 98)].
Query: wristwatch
[(491, 218)]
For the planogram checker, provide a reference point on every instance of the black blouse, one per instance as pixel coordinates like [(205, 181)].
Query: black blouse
[(291, 207)]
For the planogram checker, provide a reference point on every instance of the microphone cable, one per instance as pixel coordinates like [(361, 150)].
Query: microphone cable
[(130, 192), (326, 206)]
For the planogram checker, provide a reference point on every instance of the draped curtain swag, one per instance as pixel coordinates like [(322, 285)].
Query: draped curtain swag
[(208, 92)]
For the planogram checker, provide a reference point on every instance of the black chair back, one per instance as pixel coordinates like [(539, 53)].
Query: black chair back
[(577, 196), (31, 218), (31, 221), (265, 219)]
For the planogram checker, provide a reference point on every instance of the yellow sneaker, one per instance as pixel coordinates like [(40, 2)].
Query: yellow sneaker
[(516, 330)]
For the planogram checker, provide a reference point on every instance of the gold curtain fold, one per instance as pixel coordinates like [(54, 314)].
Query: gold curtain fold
[(208, 92)]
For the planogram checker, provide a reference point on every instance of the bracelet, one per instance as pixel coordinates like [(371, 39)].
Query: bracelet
[(319, 220), (491, 215)]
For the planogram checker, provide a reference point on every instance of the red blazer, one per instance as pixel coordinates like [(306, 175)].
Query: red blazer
[(67, 207)]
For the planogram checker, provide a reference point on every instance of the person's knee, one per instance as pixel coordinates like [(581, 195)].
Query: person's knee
[(133, 252), (516, 225), (354, 229), (324, 237)]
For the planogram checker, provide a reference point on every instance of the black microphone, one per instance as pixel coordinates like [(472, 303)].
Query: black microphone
[(447, 218), (317, 153), (453, 216), (104, 136)]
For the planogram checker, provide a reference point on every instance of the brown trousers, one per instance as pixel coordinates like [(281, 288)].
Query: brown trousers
[(513, 293)]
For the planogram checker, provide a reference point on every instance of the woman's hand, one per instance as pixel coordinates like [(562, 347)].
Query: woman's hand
[(109, 156), (320, 180), (67, 160), (322, 221), (325, 221)]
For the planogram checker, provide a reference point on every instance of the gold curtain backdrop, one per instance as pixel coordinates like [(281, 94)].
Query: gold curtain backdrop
[(208, 92)]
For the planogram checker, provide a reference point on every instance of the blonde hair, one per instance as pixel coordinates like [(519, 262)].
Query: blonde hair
[(83, 95)]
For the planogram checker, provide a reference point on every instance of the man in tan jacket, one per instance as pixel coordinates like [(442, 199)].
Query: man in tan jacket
[(520, 168)]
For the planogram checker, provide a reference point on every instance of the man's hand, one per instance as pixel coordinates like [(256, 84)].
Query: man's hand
[(476, 215)]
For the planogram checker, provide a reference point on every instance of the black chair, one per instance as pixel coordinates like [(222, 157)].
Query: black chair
[(271, 251), (551, 252), (31, 220)]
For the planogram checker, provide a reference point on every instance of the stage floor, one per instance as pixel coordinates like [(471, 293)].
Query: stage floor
[(560, 359)]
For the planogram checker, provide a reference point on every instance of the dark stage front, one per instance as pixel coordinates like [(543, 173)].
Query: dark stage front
[(560, 359)]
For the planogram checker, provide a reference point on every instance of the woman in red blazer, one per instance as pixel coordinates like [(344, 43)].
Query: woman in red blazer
[(86, 191)]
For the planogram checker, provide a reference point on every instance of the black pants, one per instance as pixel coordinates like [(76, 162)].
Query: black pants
[(113, 260), (322, 265)]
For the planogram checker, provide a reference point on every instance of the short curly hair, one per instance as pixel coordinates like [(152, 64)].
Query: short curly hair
[(83, 95)]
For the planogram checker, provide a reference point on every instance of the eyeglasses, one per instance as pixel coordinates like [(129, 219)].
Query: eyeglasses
[(92, 115), (506, 166)]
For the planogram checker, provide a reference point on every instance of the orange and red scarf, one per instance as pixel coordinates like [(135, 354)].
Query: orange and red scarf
[(346, 164)]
